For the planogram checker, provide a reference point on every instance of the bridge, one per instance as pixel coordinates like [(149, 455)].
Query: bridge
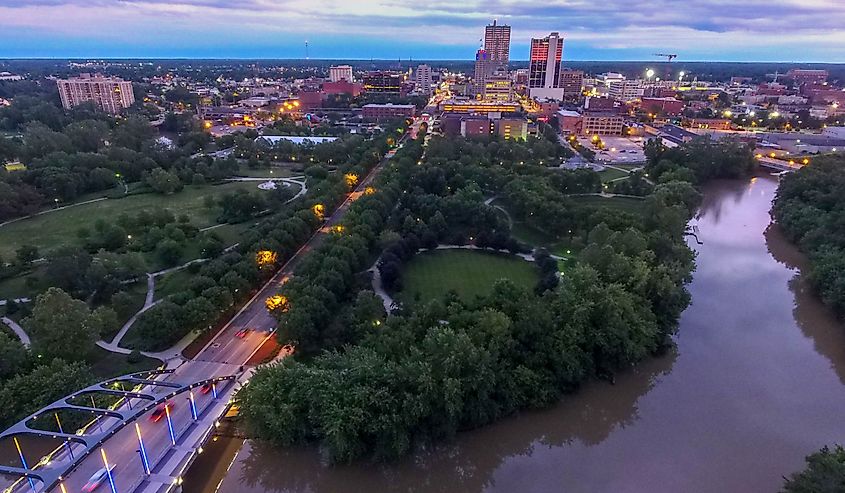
[(119, 433), (146, 453), (777, 164)]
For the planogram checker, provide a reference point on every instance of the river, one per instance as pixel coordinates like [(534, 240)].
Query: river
[(755, 383)]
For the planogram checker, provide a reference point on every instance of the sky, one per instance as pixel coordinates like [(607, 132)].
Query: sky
[(696, 30)]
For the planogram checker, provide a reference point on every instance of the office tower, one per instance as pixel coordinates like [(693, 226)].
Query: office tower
[(340, 72), (482, 69), (110, 94), (422, 77), (497, 44), (544, 67)]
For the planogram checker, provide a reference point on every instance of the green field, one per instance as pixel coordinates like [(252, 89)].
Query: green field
[(48, 231), (610, 174), (626, 204), (430, 275)]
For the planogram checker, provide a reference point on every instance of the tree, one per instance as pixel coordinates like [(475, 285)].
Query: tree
[(825, 473), (27, 392), (14, 357), (62, 327), (169, 252), (163, 182)]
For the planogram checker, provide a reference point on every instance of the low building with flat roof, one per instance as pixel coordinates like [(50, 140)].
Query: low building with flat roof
[(389, 111), (602, 123)]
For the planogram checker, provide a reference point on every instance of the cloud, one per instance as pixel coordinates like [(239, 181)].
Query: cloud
[(702, 29)]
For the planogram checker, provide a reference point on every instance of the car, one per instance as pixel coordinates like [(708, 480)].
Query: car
[(97, 479), (160, 412), (243, 332), (206, 388)]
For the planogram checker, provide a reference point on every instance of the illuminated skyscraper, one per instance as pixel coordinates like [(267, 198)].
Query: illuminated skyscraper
[(544, 67), (482, 69)]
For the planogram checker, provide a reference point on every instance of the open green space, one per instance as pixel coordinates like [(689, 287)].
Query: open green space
[(54, 229), (610, 174), (273, 172), (627, 204), (470, 273), (106, 364), (172, 283)]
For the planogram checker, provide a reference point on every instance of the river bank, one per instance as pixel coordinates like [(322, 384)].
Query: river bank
[(754, 384)]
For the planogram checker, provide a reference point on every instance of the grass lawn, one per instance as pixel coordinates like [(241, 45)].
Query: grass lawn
[(430, 275), (53, 229), (610, 174), (172, 283), (626, 204), (105, 364), (277, 172)]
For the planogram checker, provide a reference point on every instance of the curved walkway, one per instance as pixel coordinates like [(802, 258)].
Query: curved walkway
[(149, 302), (18, 330)]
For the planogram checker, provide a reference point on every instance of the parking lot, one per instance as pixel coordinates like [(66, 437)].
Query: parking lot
[(619, 150)]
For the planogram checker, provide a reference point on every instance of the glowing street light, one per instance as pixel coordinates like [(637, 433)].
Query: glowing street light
[(649, 73), (265, 257)]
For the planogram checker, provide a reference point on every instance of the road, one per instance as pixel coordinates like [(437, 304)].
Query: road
[(225, 354)]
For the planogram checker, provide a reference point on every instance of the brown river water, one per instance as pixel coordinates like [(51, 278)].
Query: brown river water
[(756, 382)]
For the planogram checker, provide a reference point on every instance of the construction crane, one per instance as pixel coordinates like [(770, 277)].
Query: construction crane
[(669, 57)]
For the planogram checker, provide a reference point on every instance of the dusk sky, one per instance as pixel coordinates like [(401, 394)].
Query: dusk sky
[(749, 30)]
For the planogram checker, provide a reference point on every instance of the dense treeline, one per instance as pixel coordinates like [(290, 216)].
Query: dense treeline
[(810, 207), (222, 283), (432, 370)]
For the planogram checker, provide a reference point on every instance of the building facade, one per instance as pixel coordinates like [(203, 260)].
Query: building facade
[(482, 69), (383, 82), (497, 44), (422, 78), (110, 94), (340, 72), (626, 90), (601, 123), (544, 67), (381, 112), (498, 87), (572, 82)]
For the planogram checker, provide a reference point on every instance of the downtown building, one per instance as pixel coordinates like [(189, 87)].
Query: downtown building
[(110, 94), (340, 72), (423, 80), (544, 69), (494, 56)]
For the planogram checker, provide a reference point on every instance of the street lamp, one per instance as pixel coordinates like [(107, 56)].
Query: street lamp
[(649, 73)]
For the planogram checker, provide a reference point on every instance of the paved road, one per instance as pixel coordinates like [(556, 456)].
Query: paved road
[(224, 354)]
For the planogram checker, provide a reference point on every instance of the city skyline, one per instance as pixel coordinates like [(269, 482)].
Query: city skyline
[(780, 30)]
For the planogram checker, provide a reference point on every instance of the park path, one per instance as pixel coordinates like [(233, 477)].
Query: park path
[(149, 302), (18, 330), (10, 221)]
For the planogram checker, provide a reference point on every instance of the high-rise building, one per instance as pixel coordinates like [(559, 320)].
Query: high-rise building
[(482, 69), (544, 67), (340, 72), (422, 77), (110, 94), (497, 44)]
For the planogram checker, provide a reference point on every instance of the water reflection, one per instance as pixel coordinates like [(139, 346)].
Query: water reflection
[(755, 384), (468, 464), (816, 321)]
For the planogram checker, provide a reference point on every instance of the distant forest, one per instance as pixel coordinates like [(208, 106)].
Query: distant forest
[(237, 69)]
